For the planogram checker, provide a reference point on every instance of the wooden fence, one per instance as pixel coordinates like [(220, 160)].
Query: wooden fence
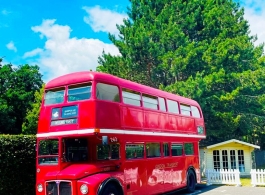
[(223, 176), (257, 177)]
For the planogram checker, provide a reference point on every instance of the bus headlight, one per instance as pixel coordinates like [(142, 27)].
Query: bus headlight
[(84, 189), (39, 187)]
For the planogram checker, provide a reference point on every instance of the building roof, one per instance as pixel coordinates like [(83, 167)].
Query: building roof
[(235, 141)]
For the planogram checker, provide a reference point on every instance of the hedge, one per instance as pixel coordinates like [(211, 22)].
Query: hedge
[(17, 164)]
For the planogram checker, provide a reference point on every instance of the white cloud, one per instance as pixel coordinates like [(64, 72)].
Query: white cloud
[(62, 54), (11, 46), (255, 15), (103, 19), (33, 53)]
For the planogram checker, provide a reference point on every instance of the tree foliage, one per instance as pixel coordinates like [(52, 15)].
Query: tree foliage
[(30, 124), (17, 88), (198, 49)]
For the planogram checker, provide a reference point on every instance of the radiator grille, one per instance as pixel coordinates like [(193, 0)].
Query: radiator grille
[(58, 188)]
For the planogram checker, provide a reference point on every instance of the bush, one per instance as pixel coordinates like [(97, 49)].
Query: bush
[(17, 164)]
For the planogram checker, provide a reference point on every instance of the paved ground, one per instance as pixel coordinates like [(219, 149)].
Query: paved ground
[(225, 190)]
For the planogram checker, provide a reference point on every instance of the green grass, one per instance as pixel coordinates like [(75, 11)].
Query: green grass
[(246, 181)]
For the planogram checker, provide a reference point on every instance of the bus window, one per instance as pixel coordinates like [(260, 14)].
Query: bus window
[(195, 112), (150, 102), (173, 106), (176, 149), (131, 97), (134, 151), (75, 150), (108, 92), (188, 148), (79, 92), (48, 152), (153, 150), (166, 149), (54, 96), (108, 152), (162, 104), (185, 110)]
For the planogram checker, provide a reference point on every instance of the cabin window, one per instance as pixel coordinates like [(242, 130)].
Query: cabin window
[(166, 149), (134, 151), (79, 92), (150, 102), (185, 109), (188, 148), (131, 97), (162, 104), (172, 106), (176, 149), (195, 112), (54, 96), (216, 160), (153, 150), (225, 159), (107, 92), (233, 159), (241, 162), (108, 152)]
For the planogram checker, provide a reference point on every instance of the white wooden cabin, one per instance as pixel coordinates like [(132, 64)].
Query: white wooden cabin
[(231, 154)]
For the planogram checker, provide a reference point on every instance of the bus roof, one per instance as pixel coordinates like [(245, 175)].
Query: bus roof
[(84, 76)]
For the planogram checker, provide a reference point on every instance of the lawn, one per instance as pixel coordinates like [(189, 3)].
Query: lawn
[(246, 181)]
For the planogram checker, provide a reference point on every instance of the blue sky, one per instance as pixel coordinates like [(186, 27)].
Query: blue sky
[(64, 36)]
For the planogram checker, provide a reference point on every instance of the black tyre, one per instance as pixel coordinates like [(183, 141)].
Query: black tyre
[(110, 189), (191, 181)]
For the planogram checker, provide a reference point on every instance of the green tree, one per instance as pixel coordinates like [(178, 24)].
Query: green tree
[(17, 88), (198, 49), (30, 124)]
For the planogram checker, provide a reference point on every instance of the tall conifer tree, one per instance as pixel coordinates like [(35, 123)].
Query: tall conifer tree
[(199, 49)]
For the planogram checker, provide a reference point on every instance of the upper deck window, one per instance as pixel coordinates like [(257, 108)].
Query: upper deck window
[(131, 97), (54, 96), (185, 109), (79, 92), (173, 106), (108, 92), (195, 112), (150, 102), (162, 104)]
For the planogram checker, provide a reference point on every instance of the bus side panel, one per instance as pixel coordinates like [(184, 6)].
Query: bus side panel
[(107, 115), (135, 176), (155, 175), (186, 124), (132, 117), (44, 119), (172, 123), (175, 172), (86, 114), (151, 120)]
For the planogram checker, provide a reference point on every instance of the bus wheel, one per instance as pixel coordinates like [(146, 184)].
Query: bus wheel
[(191, 181), (110, 189)]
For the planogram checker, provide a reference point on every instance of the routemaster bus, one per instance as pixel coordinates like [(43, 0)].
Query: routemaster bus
[(102, 135)]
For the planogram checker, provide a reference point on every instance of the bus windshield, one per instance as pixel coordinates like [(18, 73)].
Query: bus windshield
[(75, 149), (48, 151)]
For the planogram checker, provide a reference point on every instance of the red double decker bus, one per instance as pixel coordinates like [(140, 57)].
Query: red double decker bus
[(102, 135)]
